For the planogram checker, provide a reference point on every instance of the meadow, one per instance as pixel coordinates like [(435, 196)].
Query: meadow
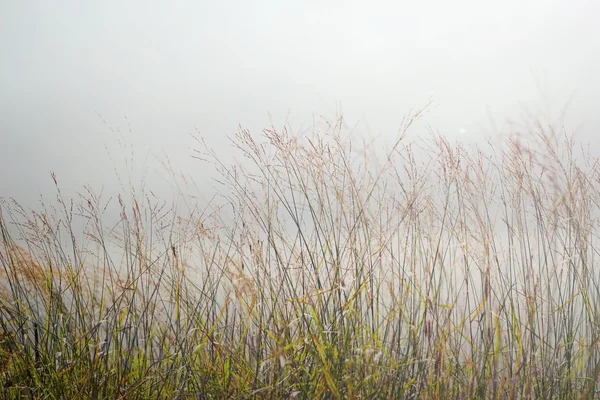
[(326, 268)]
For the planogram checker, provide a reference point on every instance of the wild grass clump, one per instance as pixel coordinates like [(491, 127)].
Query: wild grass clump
[(323, 270)]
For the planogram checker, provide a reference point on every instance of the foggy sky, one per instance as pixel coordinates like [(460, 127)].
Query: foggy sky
[(158, 70)]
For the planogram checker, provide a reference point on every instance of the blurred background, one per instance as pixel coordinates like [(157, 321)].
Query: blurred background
[(84, 85)]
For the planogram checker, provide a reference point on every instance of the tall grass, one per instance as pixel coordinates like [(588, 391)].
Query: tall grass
[(322, 271)]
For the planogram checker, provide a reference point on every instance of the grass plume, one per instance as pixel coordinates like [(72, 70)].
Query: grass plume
[(323, 270)]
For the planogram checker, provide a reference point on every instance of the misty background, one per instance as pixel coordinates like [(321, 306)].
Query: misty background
[(76, 78)]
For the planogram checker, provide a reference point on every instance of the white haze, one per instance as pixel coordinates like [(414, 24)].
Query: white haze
[(76, 78), (164, 69)]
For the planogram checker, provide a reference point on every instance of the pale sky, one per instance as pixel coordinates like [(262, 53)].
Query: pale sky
[(171, 67)]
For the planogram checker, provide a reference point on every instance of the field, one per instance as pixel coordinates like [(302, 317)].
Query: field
[(326, 268)]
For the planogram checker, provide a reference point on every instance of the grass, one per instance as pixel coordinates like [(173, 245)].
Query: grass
[(321, 271)]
